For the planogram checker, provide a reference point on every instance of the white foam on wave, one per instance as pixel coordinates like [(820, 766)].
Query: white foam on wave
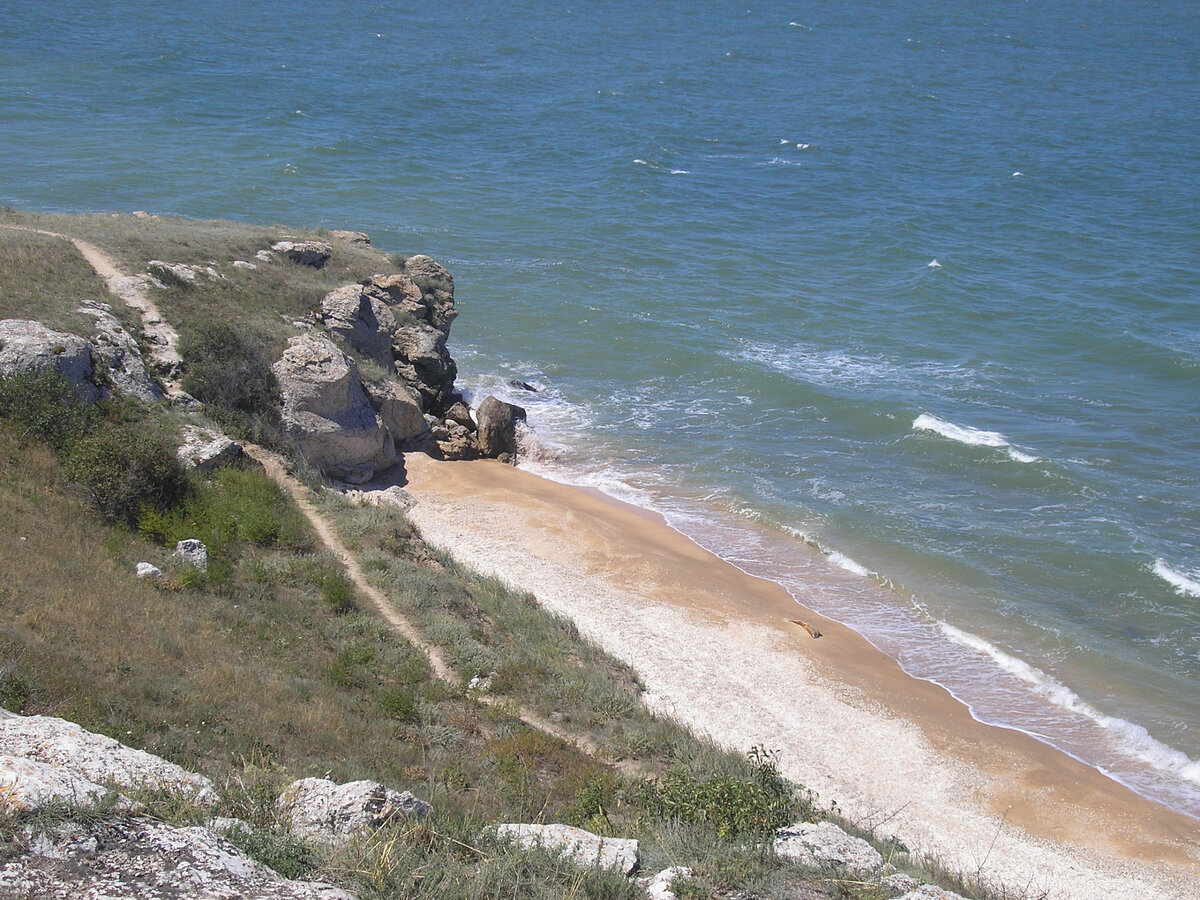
[(933, 264), (1132, 739), (975, 437), (1186, 584), (843, 561)]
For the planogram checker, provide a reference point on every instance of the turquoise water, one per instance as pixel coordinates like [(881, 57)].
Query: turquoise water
[(895, 303)]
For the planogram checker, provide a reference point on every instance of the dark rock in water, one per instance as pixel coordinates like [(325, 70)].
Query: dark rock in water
[(497, 435), (522, 386)]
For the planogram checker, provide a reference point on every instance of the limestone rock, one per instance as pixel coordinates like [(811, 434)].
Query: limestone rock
[(393, 496), (193, 553), (320, 810), (456, 442), (421, 359), (585, 848), (28, 347), (28, 785), (182, 273), (95, 758), (898, 881), (931, 892), (823, 844), (314, 254), (117, 353), (659, 887), (402, 294), (327, 413), (400, 412), (458, 412), (437, 289), (497, 433), (147, 570), (143, 859), (362, 319), (351, 237), (205, 449)]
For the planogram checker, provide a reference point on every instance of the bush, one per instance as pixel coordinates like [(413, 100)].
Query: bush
[(230, 370), (125, 471), (732, 805), (47, 405)]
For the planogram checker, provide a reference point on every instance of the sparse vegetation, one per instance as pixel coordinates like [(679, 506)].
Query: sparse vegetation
[(268, 668)]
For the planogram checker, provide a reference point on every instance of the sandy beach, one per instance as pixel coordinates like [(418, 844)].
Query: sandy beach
[(718, 649)]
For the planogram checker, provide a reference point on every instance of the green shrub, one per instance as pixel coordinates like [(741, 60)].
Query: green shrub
[(337, 592), (758, 803), (230, 370), (47, 405), (126, 470), (399, 703)]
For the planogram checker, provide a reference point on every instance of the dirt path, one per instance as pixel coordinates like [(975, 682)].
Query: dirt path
[(161, 338), (164, 340)]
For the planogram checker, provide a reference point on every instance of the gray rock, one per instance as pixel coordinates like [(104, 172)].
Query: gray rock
[(393, 496), (146, 570), (400, 411), (314, 254), (182, 273), (117, 353), (81, 756), (659, 887), (585, 848), (28, 347), (460, 413), (327, 413), (193, 553), (362, 319), (28, 785), (823, 844), (143, 859), (351, 237), (421, 358), (205, 449), (497, 433), (437, 289), (402, 294), (320, 810), (458, 442), (898, 881), (931, 892)]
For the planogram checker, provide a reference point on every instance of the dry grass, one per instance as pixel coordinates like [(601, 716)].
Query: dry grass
[(45, 278)]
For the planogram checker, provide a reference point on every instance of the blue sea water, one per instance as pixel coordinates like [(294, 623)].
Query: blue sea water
[(898, 304)]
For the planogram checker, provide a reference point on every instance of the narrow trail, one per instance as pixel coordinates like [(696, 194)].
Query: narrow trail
[(164, 341)]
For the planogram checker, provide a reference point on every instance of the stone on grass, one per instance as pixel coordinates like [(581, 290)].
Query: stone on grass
[(320, 810), (931, 892), (193, 553), (95, 758), (148, 570), (143, 859), (825, 844), (313, 254), (583, 847), (205, 449), (659, 887), (30, 348)]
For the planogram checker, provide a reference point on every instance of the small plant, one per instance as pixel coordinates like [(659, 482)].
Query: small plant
[(337, 593), (230, 370)]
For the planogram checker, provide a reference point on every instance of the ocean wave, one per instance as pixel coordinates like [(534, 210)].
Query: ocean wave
[(1133, 739), (661, 168), (975, 437), (842, 561), (1186, 584), (837, 367)]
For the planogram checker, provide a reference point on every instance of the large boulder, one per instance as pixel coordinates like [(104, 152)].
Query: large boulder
[(84, 758), (497, 424), (204, 449), (142, 859), (362, 319), (825, 844), (419, 346), (314, 254), (28, 347), (323, 811), (327, 413), (585, 848), (400, 411), (117, 354)]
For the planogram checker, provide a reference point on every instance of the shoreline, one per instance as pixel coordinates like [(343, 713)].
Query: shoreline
[(717, 649)]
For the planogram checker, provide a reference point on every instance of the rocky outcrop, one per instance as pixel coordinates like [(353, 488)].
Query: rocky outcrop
[(81, 757), (116, 353), (359, 315), (585, 848), (327, 413), (28, 347), (193, 553), (498, 429), (322, 811), (659, 887), (824, 844), (400, 411), (204, 449), (182, 273), (141, 859), (419, 345), (314, 254)]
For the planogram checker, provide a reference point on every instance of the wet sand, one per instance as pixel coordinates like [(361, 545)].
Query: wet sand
[(719, 650)]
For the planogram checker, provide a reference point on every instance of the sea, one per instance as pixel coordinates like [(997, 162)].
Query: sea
[(897, 304)]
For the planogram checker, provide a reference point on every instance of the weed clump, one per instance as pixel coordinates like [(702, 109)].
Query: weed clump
[(230, 370)]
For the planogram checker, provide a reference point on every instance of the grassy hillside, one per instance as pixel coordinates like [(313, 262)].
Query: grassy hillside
[(268, 667)]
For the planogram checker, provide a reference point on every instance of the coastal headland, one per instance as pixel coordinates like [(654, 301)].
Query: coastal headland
[(720, 650)]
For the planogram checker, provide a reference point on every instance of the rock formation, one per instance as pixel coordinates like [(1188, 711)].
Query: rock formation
[(585, 848), (325, 812), (327, 413), (498, 429), (28, 347), (117, 355)]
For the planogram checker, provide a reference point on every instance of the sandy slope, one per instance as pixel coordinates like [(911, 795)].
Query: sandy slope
[(715, 647)]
